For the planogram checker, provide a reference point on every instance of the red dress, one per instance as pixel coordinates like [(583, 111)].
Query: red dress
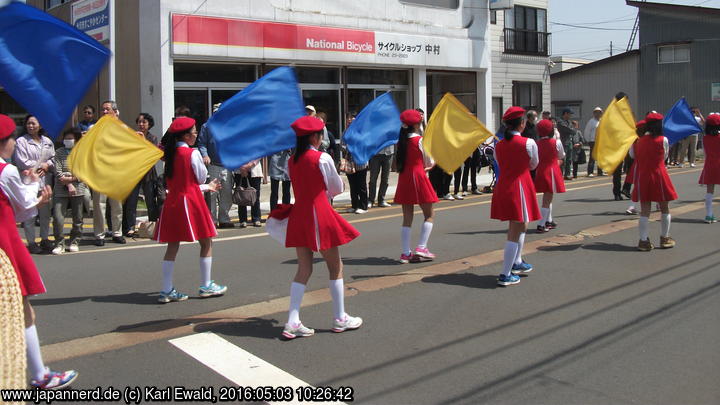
[(28, 276), (711, 171), (514, 195), (312, 222), (651, 179), (548, 178), (185, 216), (413, 184)]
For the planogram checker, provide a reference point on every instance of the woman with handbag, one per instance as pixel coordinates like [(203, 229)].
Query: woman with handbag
[(250, 177), (578, 153), (414, 186), (185, 216), (311, 225), (548, 177)]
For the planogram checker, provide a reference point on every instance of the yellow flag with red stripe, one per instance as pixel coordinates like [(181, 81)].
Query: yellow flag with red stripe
[(453, 133), (615, 135), (112, 159)]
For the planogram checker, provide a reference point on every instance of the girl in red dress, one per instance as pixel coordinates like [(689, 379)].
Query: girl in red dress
[(185, 216), (651, 180), (19, 202), (710, 175), (413, 186), (548, 177), (314, 226), (514, 198)]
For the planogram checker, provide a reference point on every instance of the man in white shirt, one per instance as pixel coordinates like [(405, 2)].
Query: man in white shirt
[(590, 129)]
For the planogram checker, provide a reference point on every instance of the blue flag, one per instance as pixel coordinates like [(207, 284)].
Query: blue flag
[(679, 123), (256, 121), (376, 127), (46, 65)]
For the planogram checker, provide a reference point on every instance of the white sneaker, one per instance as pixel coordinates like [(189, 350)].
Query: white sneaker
[(299, 330), (74, 248), (350, 210), (370, 205), (349, 323), (449, 197), (464, 193), (692, 164), (59, 249), (360, 211), (385, 204), (458, 196)]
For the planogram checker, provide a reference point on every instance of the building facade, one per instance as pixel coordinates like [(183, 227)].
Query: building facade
[(195, 53)]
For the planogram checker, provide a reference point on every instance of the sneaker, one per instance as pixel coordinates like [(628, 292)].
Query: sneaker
[(522, 268), (667, 242), (645, 246), (55, 380), (542, 229), (476, 192), (370, 205), (692, 164), (34, 248), (360, 211), (99, 242), (458, 196), (384, 204), (710, 220), (349, 323), (74, 247), (119, 239), (257, 224), (172, 296), (464, 193), (46, 245), (424, 253), (590, 175), (449, 197), (350, 211), (508, 280), (631, 211), (243, 224), (59, 249), (299, 330), (405, 259), (550, 225), (212, 290)]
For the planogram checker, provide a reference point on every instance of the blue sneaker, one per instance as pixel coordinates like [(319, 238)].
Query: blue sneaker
[(522, 268), (171, 296), (55, 380), (508, 280), (212, 290)]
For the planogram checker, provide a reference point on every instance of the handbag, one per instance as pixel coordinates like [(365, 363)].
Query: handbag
[(581, 157), (146, 229), (346, 166), (244, 196)]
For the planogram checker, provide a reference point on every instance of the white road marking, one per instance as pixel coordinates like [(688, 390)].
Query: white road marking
[(237, 365)]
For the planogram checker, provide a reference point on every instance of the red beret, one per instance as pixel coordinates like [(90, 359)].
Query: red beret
[(513, 112), (411, 117), (7, 126), (640, 124), (544, 128), (307, 125), (653, 116), (181, 124), (713, 119)]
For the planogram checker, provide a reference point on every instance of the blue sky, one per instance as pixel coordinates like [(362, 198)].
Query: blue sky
[(613, 18)]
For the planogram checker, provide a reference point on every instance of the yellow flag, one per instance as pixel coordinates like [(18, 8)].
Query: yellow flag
[(614, 135), (111, 158), (453, 133)]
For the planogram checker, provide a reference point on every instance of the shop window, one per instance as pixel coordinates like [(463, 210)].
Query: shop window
[(54, 3), (528, 95), (451, 4), (11, 108), (379, 76), (526, 31), (674, 54), (463, 85), (309, 74), (214, 72), (493, 17)]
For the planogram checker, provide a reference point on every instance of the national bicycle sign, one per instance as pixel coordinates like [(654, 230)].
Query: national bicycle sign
[(93, 18)]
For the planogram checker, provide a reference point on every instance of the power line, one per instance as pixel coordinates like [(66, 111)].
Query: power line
[(619, 19), (594, 28)]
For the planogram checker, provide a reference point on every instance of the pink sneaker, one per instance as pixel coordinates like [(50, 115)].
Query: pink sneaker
[(424, 253), (55, 380), (404, 259)]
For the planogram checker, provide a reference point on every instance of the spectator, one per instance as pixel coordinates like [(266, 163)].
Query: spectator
[(357, 178), (380, 163), (567, 134), (68, 191), (590, 129), (688, 146), (577, 148), (219, 201), (279, 175), (182, 111), (144, 122), (546, 115), (530, 130), (622, 188), (310, 110), (35, 151), (328, 141), (88, 118), (101, 201), (251, 174)]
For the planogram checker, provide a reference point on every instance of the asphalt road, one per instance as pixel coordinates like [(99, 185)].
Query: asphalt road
[(596, 323)]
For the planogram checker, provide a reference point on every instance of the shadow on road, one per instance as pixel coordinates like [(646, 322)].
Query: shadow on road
[(494, 231), (610, 247), (137, 298), (471, 280), (560, 248), (251, 327)]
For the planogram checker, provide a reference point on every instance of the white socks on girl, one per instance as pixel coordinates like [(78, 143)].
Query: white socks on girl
[(34, 356), (665, 228), (338, 297), (643, 228), (550, 214), (520, 243), (511, 253), (297, 291), (545, 212), (167, 267), (406, 240), (708, 205), (205, 267), (425, 234)]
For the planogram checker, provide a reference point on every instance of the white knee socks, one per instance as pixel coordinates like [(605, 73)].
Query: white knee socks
[(338, 297), (297, 291), (708, 205), (550, 215), (406, 240), (205, 268), (665, 221), (511, 250), (643, 228), (34, 356), (425, 234), (521, 244), (545, 215), (167, 268)]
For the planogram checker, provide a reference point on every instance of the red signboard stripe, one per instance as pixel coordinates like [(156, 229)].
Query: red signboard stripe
[(234, 32)]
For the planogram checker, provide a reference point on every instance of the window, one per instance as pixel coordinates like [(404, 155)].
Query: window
[(674, 54), (528, 95), (526, 31), (54, 3), (452, 4), (214, 72), (379, 76), (493, 17)]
